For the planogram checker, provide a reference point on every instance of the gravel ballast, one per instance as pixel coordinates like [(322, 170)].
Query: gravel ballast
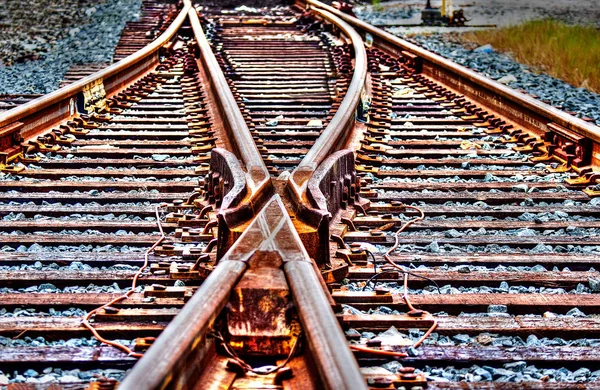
[(499, 66), (93, 42)]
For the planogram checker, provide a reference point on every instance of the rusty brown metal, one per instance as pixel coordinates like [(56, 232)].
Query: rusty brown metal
[(238, 129), (273, 294), (528, 112), (326, 340), (331, 188), (257, 182), (341, 124), (48, 110), (316, 234), (175, 357)]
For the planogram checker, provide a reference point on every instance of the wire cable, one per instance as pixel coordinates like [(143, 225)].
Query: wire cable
[(246, 366), (137, 275), (405, 295)]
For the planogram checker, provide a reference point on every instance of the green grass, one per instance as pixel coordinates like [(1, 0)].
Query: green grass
[(570, 53)]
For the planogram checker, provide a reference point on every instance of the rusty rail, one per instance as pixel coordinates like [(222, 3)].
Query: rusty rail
[(48, 110), (339, 128), (244, 204), (518, 107), (185, 356), (175, 356), (316, 215), (264, 297), (270, 246), (236, 125)]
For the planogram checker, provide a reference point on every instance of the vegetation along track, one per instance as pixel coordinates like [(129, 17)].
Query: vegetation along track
[(441, 241)]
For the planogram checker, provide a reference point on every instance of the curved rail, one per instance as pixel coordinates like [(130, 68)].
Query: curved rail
[(238, 129), (339, 128), (182, 355), (59, 105), (515, 105), (244, 203), (166, 364), (335, 132), (317, 215), (185, 356)]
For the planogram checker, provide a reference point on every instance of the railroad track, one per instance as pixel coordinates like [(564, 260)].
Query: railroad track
[(223, 216)]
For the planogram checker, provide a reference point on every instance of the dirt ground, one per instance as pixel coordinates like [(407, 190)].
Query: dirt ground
[(487, 12)]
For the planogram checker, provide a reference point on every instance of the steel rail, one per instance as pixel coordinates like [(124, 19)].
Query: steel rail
[(339, 129), (326, 340), (56, 106), (166, 363), (521, 108), (339, 126), (244, 202), (178, 358), (238, 129), (335, 135)]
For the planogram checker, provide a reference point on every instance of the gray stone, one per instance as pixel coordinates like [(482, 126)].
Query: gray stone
[(68, 379), (541, 248), (30, 373), (508, 79), (392, 366), (47, 379), (594, 284), (532, 341), (160, 157), (501, 372), (434, 247), (575, 312), (368, 335), (20, 378), (520, 188), (484, 49), (484, 374), (453, 233), (179, 283), (47, 287), (385, 310), (585, 372), (489, 178), (462, 338), (516, 366), (525, 232), (497, 309), (561, 214)]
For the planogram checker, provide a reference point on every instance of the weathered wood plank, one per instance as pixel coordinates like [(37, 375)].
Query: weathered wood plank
[(514, 241), (549, 279), (112, 173), (465, 354), (550, 259), (85, 301), (373, 222), (457, 354), (456, 303), (516, 326)]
